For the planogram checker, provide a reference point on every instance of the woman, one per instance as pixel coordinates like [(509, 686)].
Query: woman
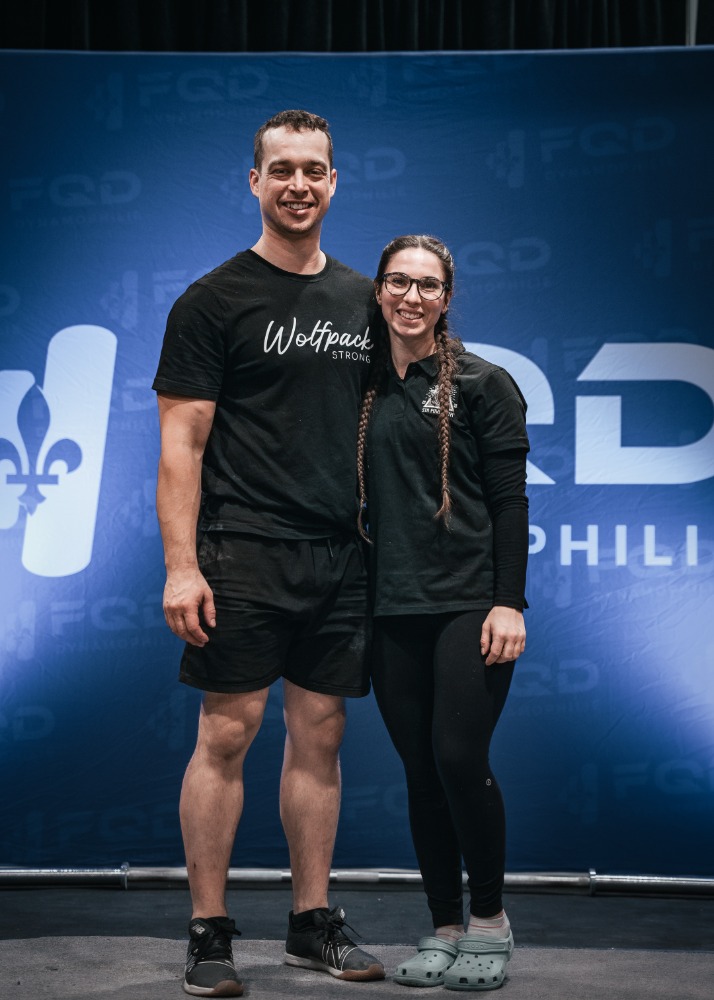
[(442, 457)]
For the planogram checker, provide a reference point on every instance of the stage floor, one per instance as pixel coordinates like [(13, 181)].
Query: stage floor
[(73, 943)]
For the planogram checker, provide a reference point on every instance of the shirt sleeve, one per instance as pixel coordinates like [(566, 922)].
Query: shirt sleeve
[(499, 413), (193, 351), (504, 475)]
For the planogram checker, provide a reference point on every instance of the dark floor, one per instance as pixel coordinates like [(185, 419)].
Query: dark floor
[(387, 914)]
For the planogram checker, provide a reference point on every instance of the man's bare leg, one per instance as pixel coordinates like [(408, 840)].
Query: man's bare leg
[(310, 790), (212, 793)]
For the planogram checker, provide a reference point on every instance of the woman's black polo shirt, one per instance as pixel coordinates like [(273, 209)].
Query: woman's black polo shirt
[(418, 564)]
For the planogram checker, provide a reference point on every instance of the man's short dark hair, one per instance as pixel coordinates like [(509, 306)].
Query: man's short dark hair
[(296, 121)]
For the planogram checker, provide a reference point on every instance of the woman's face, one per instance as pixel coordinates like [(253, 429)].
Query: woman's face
[(410, 318)]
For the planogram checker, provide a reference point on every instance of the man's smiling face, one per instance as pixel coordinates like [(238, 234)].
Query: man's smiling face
[(295, 182)]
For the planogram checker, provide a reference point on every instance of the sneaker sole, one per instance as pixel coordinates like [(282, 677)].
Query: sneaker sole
[(227, 988), (351, 975)]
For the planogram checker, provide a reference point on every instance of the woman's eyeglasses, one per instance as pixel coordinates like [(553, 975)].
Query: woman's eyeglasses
[(399, 284)]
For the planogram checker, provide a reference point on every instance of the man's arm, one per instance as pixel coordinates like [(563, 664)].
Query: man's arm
[(185, 425)]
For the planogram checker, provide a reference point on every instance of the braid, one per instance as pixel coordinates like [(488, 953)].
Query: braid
[(448, 366), (375, 383)]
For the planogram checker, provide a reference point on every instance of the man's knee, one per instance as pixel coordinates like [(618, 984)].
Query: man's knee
[(229, 723), (315, 723)]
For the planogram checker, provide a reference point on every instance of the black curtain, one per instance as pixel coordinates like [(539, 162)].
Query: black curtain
[(346, 25)]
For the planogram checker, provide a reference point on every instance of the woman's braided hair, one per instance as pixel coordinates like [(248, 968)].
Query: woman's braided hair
[(447, 350)]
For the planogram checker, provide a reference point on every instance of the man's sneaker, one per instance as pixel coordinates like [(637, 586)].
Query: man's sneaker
[(316, 941), (209, 963)]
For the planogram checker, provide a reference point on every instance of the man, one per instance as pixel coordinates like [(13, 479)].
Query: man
[(261, 372)]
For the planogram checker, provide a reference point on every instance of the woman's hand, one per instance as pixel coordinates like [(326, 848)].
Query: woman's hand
[(503, 636)]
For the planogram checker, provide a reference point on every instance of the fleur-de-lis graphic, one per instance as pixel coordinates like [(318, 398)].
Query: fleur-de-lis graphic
[(33, 421), (52, 440)]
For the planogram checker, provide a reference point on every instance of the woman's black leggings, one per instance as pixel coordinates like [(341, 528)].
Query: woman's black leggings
[(440, 704)]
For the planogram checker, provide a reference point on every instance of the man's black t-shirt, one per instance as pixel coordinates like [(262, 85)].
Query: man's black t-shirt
[(286, 358)]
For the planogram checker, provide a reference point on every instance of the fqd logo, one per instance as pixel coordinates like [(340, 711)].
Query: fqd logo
[(600, 456), (52, 449)]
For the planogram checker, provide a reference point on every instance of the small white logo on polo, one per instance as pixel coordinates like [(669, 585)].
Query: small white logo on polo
[(431, 403), (52, 440)]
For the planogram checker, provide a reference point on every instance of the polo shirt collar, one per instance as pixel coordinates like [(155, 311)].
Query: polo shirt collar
[(428, 365)]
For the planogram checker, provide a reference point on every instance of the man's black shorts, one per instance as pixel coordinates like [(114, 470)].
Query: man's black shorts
[(293, 608)]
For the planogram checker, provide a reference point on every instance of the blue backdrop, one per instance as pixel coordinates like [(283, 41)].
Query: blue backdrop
[(575, 189)]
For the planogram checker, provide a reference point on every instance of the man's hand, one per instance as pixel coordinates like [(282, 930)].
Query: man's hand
[(503, 636), (185, 595)]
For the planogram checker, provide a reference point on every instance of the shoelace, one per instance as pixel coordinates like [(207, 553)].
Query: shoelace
[(216, 942), (332, 928)]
